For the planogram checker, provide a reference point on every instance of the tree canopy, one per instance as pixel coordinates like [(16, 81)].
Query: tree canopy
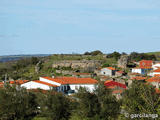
[(141, 98), (16, 103)]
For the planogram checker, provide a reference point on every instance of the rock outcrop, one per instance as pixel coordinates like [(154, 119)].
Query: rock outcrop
[(123, 61), (38, 67)]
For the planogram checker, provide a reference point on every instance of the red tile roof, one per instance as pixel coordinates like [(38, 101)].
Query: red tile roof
[(18, 82), (110, 68), (121, 72), (55, 80), (72, 80), (113, 83), (138, 78), (157, 75), (1, 84), (44, 83), (154, 79), (117, 91), (146, 64), (157, 70)]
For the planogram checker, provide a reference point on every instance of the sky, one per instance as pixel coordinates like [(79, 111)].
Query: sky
[(77, 26)]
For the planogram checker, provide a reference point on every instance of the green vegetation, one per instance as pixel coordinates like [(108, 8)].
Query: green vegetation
[(17, 104), (55, 106), (84, 105), (115, 55), (140, 56), (109, 62), (99, 105), (141, 98), (94, 53)]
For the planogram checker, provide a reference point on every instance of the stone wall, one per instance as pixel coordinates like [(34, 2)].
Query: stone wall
[(77, 64)]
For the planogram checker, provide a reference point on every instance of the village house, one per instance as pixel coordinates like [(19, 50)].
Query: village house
[(142, 71), (66, 85), (137, 78), (108, 71), (146, 64), (14, 82), (144, 67), (156, 66), (119, 73), (116, 87), (37, 84), (155, 72), (155, 81)]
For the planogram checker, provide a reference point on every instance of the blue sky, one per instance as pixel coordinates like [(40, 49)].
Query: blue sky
[(67, 26)]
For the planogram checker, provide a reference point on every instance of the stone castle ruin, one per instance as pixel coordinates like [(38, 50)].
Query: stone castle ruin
[(77, 64)]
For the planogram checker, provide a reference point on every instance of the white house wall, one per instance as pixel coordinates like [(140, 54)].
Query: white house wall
[(34, 85), (136, 71), (75, 87), (49, 81), (106, 72)]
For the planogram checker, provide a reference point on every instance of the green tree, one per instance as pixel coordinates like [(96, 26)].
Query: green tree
[(55, 106), (140, 56), (109, 105), (17, 103), (96, 52), (141, 98), (97, 105), (115, 55), (34, 60)]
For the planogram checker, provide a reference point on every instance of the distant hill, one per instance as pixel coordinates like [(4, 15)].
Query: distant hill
[(154, 53), (157, 54), (7, 58)]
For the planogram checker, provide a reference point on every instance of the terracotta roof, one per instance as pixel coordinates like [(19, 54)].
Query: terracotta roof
[(117, 91), (145, 64), (18, 82), (110, 68), (44, 83), (121, 72), (154, 79), (142, 68), (72, 80), (55, 80), (138, 78), (111, 87), (157, 75), (157, 70), (1, 84), (113, 83)]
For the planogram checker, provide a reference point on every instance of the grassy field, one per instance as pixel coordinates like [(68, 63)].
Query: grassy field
[(157, 54), (154, 53)]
